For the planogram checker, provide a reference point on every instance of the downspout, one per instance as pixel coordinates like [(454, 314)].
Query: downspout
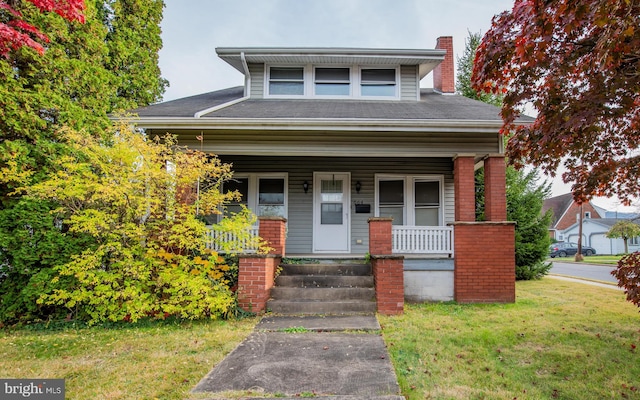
[(247, 90), (247, 81)]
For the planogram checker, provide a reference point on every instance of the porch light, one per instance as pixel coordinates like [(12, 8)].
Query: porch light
[(358, 186), (305, 186)]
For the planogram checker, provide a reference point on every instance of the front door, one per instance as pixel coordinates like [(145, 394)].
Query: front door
[(331, 212)]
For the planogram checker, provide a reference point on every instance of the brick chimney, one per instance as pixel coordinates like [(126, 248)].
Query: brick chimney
[(444, 74)]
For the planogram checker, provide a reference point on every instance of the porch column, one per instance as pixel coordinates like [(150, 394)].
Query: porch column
[(388, 270), (274, 231), (495, 201), (464, 187), (485, 251), (256, 272)]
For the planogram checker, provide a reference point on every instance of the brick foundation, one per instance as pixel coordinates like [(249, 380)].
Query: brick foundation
[(484, 262)]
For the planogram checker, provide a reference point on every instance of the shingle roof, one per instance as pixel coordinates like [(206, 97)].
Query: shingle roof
[(558, 205), (431, 106), (188, 106)]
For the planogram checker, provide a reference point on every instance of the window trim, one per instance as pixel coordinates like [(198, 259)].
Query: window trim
[(409, 194)]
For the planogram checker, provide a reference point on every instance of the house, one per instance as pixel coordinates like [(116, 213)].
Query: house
[(566, 213), (594, 233), (336, 140)]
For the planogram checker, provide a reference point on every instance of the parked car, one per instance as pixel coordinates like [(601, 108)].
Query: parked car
[(569, 249)]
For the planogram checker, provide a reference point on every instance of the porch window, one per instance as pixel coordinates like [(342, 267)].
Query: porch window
[(378, 82), (427, 203), (332, 82), (263, 194), (271, 197), (391, 195), (286, 81), (410, 200), (242, 186)]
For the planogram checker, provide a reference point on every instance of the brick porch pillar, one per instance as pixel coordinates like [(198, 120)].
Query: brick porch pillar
[(256, 272), (274, 231), (484, 262), (388, 270), (484, 251), (495, 201), (464, 186), (255, 279)]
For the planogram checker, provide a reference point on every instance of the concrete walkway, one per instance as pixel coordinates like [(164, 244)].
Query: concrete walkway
[(329, 357)]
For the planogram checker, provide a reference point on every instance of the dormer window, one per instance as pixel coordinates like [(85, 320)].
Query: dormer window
[(286, 81), (377, 82), (325, 81), (332, 82)]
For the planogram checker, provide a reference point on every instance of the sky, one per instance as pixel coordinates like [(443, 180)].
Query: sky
[(192, 29)]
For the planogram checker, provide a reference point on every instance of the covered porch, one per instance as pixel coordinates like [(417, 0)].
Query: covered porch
[(454, 261)]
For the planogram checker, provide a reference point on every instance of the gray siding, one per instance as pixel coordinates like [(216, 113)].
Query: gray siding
[(300, 169), (257, 80), (409, 82)]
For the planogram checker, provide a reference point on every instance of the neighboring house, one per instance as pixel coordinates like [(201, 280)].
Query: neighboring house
[(566, 213), (594, 234), (330, 137)]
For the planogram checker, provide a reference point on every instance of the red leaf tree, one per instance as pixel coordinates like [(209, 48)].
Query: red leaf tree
[(578, 64), (15, 32)]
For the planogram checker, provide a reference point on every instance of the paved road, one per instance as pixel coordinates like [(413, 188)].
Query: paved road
[(588, 271)]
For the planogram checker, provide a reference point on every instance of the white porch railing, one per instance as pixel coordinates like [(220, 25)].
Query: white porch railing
[(215, 236), (422, 240)]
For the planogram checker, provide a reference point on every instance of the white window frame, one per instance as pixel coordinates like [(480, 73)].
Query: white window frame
[(634, 241), (409, 194), (355, 83), (253, 189), (267, 82), (352, 77), (396, 85)]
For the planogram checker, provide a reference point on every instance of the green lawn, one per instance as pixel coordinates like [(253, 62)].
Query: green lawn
[(560, 340), (597, 259), (152, 361)]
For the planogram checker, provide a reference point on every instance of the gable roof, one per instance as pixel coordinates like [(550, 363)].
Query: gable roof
[(558, 206)]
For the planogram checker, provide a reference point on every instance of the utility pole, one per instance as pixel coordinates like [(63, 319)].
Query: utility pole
[(580, 218)]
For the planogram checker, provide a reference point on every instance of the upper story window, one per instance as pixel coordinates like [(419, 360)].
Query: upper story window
[(286, 81), (332, 82), (378, 82)]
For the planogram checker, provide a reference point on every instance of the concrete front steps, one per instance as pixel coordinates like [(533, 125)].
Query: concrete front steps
[(328, 288)]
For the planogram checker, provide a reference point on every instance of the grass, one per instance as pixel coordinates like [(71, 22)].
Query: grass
[(560, 340), (147, 361), (597, 259)]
